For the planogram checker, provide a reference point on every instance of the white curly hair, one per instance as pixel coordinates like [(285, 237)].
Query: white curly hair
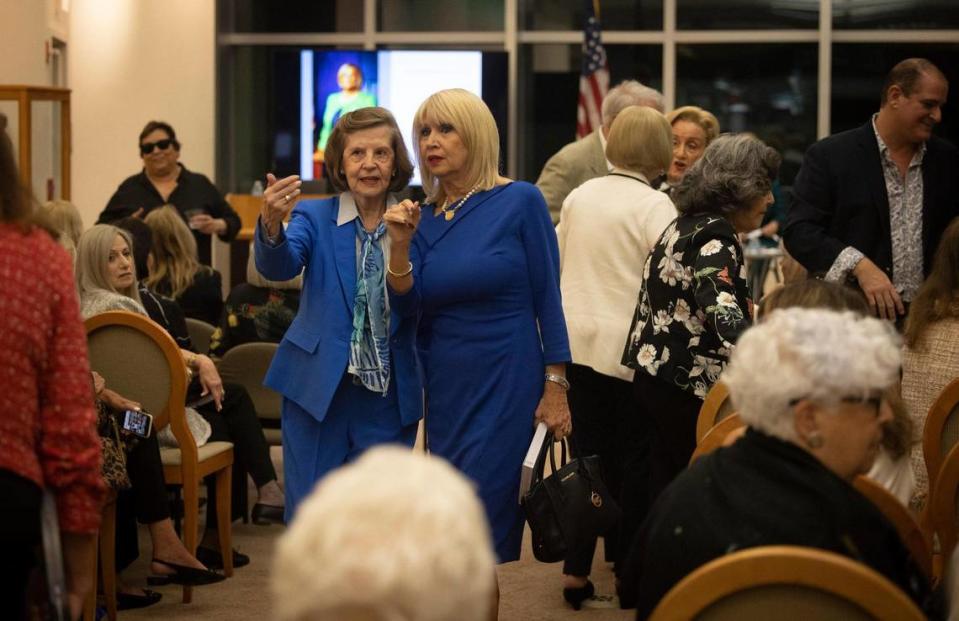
[(815, 354), (395, 536)]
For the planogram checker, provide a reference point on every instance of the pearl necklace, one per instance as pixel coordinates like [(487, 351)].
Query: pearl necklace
[(448, 211)]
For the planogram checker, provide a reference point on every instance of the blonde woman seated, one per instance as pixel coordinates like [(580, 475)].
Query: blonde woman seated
[(175, 270), (395, 535), (930, 357), (809, 384), (65, 218), (607, 228), (106, 280)]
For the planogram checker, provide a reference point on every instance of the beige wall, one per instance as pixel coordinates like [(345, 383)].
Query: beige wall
[(131, 61)]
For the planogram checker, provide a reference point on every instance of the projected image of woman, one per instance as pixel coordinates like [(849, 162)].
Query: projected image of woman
[(350, 97)]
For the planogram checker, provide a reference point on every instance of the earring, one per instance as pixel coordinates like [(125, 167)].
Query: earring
[(814, 440), (394, 173)]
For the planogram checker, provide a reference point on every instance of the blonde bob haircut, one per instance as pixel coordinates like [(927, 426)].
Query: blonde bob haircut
[(93, 256), (65, 218), (474, 123), (640, 140), (175, 261), (696, 116)]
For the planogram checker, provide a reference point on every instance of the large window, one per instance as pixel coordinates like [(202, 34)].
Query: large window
[(764, 66)]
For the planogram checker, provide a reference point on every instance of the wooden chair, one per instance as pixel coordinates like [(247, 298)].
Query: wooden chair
[(141, 361), (716, 407), (247, 364), (941, 431), (785, 583), (104, 559), (200, 333), (916, 541), (943, 500), (715, 437)]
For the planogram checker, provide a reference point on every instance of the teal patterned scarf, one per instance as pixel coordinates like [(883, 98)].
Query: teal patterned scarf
[(369, 343)]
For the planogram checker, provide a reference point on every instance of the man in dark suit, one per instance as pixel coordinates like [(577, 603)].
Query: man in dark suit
[(871, 203)]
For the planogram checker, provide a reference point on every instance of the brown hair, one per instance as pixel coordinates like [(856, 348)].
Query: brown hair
[(17, 204), (812, 293), (938, 297), (163, 126), (366, 118), (906, 75)]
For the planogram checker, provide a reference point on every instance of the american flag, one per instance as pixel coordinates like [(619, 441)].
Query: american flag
[(594, 78)]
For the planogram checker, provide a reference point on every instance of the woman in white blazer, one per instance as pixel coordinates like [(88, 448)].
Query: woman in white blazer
[(607, 227)]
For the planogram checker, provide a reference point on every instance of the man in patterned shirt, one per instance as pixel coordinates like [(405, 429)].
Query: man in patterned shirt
[(871, 203)]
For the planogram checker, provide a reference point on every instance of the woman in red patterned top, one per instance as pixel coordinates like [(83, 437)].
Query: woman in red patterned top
[(47, 435)]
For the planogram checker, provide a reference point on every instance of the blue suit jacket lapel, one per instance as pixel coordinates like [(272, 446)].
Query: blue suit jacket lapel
[(344, 253)]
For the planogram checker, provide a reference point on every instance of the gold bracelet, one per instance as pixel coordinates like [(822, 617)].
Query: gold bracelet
[(409, 270)]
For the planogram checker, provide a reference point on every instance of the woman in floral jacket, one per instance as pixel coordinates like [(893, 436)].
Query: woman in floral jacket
[(694, 300)]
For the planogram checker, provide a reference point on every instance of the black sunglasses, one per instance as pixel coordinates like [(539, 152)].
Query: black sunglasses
[(147, 147)]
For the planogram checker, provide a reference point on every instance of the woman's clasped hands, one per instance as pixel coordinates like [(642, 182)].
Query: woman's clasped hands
[(401, 221)]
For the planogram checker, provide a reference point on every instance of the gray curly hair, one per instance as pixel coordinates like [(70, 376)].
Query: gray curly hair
[(803, 353), (734, 172)]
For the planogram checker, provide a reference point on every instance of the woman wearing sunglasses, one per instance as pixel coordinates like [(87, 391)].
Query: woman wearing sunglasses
[(165, 180)]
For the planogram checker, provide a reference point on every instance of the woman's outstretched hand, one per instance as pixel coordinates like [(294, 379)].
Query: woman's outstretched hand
[(278, 200)]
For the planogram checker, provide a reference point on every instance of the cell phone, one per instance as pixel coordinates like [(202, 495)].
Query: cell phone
[(139, 423)]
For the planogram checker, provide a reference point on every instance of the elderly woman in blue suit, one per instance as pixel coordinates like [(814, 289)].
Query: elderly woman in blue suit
[(346, 367)]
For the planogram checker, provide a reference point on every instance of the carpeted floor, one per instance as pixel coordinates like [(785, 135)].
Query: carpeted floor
[(529, 590)]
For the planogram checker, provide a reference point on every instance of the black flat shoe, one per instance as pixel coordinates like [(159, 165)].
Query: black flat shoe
[(186, 576), (131, 601), (576, 597), (212, 558), (263, 515)]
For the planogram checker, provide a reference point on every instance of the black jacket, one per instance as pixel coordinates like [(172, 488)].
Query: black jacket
[(839, 200)]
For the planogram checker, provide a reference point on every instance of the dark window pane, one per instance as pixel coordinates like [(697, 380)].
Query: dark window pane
[(570, 14), (767, 89), (549, 89), (440, 15), (746, 14), (859, 70), (289, 16), (898, 14)]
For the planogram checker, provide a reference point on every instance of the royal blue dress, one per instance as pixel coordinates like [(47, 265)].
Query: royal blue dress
[(491, 319)]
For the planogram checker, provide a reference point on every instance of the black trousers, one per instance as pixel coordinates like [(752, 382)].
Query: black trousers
[(605, 423), (237, 423), (19, 538), (145, 502), (672, 413)]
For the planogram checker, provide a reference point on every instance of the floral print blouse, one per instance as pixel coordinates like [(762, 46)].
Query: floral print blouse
[(693, 304)]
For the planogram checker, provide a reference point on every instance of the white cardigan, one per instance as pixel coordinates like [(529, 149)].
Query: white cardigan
[(608, 226)]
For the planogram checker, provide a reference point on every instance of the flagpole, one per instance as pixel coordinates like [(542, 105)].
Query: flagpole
[(596, 9)]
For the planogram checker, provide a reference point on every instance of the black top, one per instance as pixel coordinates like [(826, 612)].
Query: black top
[(203, 299), (839, 200), (760, 491), (193, 191), (254, 314), (693, 304)]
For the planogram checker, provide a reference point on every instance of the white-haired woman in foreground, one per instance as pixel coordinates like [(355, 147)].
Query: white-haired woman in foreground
[(395, 536), (808, 382)]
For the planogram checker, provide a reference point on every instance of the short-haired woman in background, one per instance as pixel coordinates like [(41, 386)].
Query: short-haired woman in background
[(694, 300), (693, 130), (607, 228)]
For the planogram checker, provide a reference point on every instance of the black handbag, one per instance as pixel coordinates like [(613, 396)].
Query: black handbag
[(569, 505)]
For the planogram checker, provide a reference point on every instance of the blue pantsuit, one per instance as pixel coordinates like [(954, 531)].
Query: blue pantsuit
[(327, 420)]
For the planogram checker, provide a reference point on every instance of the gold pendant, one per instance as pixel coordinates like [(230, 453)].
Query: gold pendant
[(449, 215)]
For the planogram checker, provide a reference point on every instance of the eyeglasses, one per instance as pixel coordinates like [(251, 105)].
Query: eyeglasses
[(874, 402), (147, 147)]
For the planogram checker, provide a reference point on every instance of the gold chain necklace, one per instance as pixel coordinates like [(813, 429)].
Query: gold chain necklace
[(448, 211)]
